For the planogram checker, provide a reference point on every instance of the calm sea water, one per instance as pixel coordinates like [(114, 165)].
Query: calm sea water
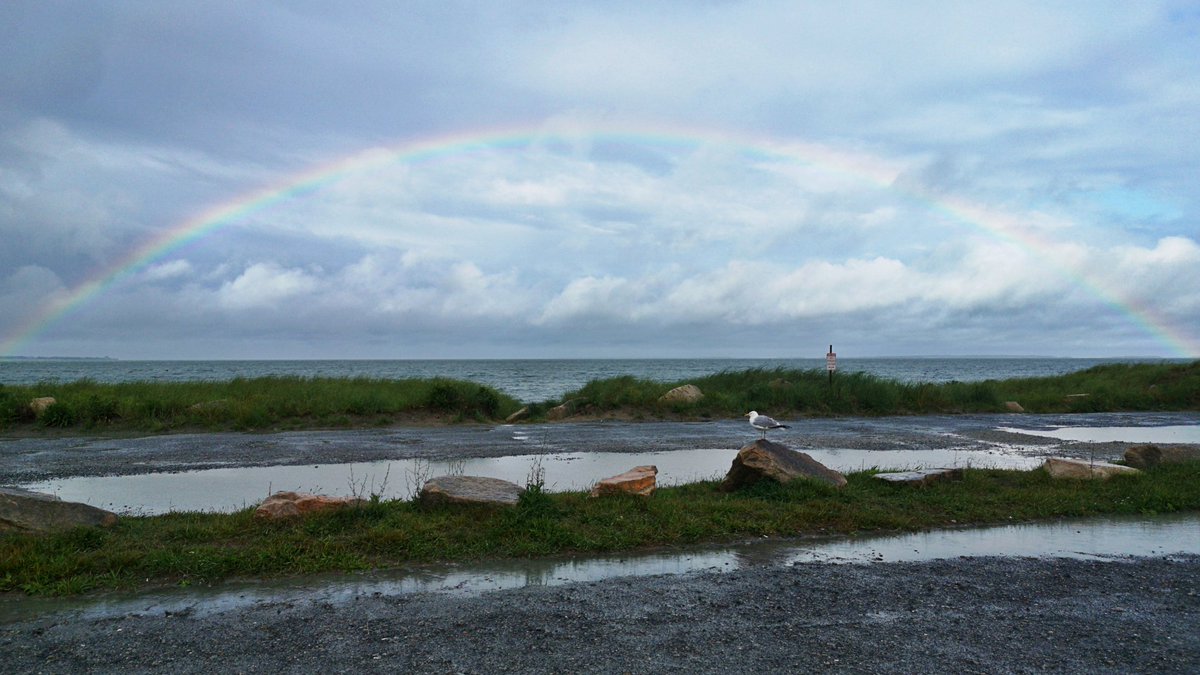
[(537, 380)]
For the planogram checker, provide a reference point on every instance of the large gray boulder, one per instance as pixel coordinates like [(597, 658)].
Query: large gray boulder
[(767, 459), (1146, 456), (470, 490), (25, 511)]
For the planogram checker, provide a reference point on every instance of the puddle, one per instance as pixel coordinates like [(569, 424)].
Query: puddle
[(1100, 539), (1182, 433), (232, 489)]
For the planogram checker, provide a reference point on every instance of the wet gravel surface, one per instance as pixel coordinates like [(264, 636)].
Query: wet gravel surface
[(985, 615), (27, 460)]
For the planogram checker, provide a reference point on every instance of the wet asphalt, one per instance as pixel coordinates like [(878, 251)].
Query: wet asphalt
[(32, 459)]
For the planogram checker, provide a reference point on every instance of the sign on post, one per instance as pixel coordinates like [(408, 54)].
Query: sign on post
[(831, 364)]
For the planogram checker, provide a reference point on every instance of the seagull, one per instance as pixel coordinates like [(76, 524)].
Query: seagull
[(762, 422)]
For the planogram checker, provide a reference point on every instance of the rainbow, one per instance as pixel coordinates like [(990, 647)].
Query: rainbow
[(860, 166)]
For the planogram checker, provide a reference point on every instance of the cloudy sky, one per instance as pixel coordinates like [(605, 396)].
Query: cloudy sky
[(306, 179)]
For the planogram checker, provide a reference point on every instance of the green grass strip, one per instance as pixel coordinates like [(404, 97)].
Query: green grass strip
[(188, 548), (290, 403)]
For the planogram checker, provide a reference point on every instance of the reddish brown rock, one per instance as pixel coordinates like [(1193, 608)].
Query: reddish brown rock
[(291, 504), (1146, 456), (1060, 467), (1013, 406), (767, 459), (640, 480)]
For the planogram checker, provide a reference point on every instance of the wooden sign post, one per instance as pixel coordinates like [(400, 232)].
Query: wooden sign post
[(831, 364)]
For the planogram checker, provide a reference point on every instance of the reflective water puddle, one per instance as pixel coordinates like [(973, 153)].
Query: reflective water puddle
[(237, 488), (1099, 539), (1182, 433)]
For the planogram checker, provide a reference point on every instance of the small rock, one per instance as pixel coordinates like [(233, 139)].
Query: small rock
[(470, 490), (567, 409), (517, 416), (767, 459), (1060, 467), (26, 511), (921, 477), (39, 405), (1013, 406), (640, 480), (688, 393), (283, 505)]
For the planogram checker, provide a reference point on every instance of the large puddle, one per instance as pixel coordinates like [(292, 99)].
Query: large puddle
[(237, 488), (1181, 433), (1100, 539)]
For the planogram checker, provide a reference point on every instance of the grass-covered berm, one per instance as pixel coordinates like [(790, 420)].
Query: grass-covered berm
[(189, 548), (279, 403)]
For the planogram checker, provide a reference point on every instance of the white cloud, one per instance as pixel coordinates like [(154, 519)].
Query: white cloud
[(265, 286)]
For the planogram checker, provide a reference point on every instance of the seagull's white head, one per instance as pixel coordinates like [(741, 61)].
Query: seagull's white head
[(752, 414)]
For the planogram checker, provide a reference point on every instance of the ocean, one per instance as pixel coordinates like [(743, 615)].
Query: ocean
[(532, 380)]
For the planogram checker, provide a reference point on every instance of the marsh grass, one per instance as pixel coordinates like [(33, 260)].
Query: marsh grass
[(191, 548), (1119, 387), (250, 404), (288, 403)]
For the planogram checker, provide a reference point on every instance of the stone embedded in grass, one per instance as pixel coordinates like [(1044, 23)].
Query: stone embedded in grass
[(25, 511), (39, 405), (517, 416), (688, 393), (1060, 467), (470, 490), (1013, 406), (1146, 456), (767, 459), (283, 505), (565, 410), (640, 480), (921, 477)]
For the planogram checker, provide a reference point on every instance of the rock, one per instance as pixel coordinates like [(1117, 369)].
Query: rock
[(39, 405), (567, 409), (640, 480), (1146, 456), (517, 416), (470, 490), (688, 393), (1013, 406), (767, 459), (283, 505), (921, 477), (25, 511), (1059, 467)]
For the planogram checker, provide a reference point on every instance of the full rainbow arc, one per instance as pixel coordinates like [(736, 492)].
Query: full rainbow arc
[(864, 167)]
